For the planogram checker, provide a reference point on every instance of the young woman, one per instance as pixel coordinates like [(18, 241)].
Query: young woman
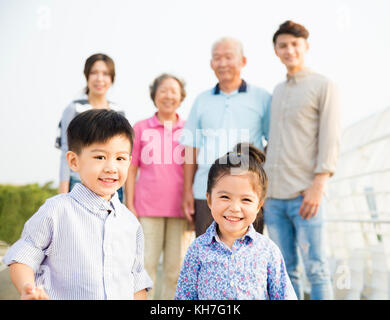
[(99, 71)]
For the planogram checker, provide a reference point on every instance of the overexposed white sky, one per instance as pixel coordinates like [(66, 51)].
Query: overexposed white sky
[(44, 44)]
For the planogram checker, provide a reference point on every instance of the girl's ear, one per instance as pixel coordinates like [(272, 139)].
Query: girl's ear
[(208, 197), (260, 205), (73, 160)]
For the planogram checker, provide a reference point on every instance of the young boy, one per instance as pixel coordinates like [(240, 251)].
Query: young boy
[(85, 244)]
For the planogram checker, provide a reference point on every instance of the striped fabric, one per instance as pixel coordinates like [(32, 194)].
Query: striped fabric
[(81, 246)]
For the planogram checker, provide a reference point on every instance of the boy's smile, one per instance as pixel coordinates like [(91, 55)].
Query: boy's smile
[(103, 166)]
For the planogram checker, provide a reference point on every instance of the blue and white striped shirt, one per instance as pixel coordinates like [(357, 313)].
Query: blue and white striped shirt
[(82, 246)]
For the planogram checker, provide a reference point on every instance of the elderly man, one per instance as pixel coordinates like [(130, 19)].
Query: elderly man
[(301, 156), (231, 112)]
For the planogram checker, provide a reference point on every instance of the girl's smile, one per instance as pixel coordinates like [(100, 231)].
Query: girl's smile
[(234, 205)]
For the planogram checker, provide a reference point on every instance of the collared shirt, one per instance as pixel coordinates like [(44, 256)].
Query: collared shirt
[(253, 269), (71, 111), (160, 157), (218, 121), (304, 135), (82, 246)]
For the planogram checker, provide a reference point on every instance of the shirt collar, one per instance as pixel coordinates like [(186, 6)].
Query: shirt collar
[(243, 88), (94, 202), (211, 233), (83, 100), (154, 122), (298, 75)]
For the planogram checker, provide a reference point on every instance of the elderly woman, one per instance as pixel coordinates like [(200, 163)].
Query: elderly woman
[(99, 72), (156, 196)]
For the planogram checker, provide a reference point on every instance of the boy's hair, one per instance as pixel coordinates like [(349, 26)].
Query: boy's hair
[(97, 126), (290, 27), (244, 157)]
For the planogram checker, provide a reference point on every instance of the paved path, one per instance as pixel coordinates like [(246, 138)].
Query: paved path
[(7, 289)]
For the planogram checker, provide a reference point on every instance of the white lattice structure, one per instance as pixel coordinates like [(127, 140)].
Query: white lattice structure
[(358, 221)]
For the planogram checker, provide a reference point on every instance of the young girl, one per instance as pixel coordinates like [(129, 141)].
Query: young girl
[(231, 260)]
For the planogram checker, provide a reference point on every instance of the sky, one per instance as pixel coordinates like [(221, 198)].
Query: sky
[(44, 45)]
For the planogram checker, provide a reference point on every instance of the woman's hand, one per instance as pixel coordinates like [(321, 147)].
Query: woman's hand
[(64, 187)]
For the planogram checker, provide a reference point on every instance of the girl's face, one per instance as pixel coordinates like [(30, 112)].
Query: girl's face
[(234, 205), (99, 78), (168, 96)]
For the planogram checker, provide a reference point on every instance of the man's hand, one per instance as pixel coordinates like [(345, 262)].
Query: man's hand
[(30, 292), (188, 206), (312, 196)]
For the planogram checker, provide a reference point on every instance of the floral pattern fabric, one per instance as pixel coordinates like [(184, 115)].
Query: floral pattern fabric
[(253, 269)]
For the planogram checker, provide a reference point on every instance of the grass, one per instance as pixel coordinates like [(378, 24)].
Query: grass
[(18, 204)]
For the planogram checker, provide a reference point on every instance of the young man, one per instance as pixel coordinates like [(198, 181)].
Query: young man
[(301, 156), (233, 111), (85, 244)]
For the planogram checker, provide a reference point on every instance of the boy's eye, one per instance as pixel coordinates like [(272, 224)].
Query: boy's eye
[(224, 197), (247, 200), (99, 157)]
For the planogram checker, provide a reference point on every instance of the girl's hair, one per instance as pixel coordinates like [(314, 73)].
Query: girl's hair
[(99, 57), (157, 82), (245, 157)]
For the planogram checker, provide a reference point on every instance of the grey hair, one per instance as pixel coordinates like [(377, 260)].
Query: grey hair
[(236, 42)]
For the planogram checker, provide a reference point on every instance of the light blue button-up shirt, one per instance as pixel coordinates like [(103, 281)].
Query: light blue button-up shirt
[(82, 246), (218, 121)]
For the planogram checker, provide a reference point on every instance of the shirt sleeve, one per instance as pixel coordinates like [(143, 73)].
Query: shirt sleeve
[(187, 285), (34, 243), (329, 129), (266, 116), (141, 277), (67, 116), (190, 135), (279, 286), (136, 152)]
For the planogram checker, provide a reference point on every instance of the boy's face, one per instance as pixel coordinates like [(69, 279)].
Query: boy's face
[(291, 50), (103, 166)]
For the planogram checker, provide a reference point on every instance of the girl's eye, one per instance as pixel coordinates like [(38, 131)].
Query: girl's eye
[(121, 158), (224, 197), (247, 200), (99, 157)]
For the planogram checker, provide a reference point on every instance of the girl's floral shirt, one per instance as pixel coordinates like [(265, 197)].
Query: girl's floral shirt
[(253, 269)]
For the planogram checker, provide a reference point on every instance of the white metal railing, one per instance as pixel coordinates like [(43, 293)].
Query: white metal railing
[(358, 252)]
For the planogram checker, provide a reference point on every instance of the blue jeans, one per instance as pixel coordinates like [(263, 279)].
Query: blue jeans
[(292, 233), (73, 181)]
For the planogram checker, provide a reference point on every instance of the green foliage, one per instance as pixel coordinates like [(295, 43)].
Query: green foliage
[(18, 204)]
